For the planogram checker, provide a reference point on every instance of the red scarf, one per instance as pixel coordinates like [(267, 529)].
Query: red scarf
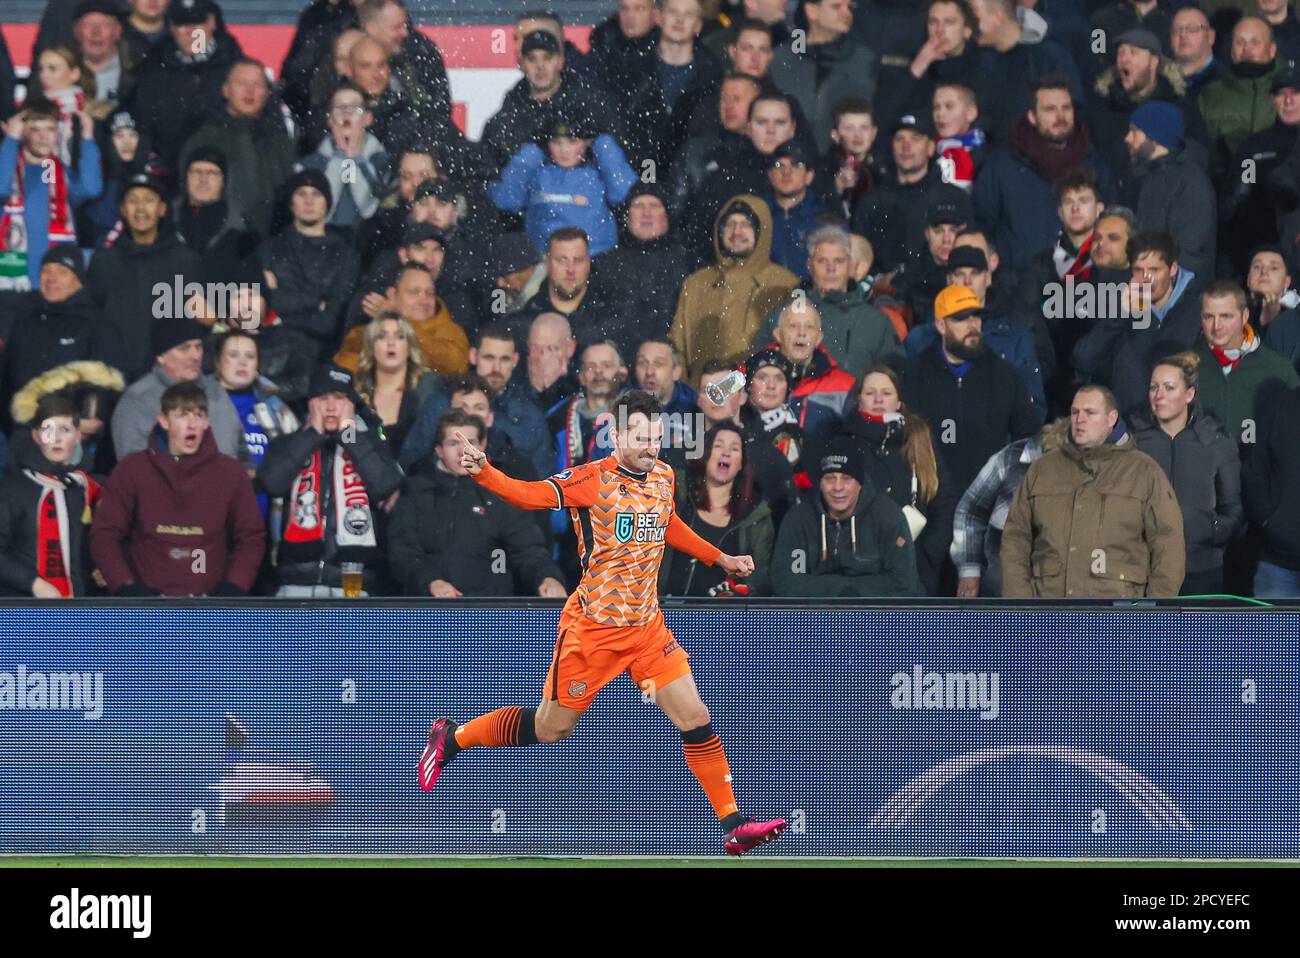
[(354, 521), (1078, 265), (53, 539), (1229, 362), (13, 228)]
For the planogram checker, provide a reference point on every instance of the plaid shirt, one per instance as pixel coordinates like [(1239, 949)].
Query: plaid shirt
[(982, 512)]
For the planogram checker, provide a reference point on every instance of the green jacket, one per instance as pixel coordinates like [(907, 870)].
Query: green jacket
[(1234, 108), (751, 536), (855, 333), (870, 554), (1093, 523), (1233, 399)]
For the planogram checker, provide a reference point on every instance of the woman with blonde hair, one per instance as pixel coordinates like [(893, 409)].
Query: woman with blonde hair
[(392, 378), (904, 462), (69, 84), (1202, 465)]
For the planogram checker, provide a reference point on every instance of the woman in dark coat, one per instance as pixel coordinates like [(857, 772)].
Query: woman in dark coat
[(1201, 462), (904, 462)]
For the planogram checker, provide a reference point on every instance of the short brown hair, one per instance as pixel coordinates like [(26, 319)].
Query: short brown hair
[(1221, 288), (1107, 397), (184, 396), (456, 419)]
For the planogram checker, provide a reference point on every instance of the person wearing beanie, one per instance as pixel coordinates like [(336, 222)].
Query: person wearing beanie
[(1170, 191), (336, 476), (210, 225), (177, 348), (845, 538), (174, 501), (1140, 74), (1094, 518), (57, 323), (259, 152), (640, 278), (355, 163), (309, 271), (722, 306)]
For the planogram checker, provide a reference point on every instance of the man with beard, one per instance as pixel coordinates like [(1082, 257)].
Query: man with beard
[(721, 307), (1159, 316), (893, 215), (1255, 212), (1140, 75), (1013, 191), (1171, 192), (641, 277), (973, 397), (1240, 103), (443, 343), (569, 292)]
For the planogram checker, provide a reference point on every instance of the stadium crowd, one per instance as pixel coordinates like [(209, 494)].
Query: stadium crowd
[(1008, 284)]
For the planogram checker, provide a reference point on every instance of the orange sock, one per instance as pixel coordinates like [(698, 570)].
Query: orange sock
[(511, 725), (707, 761)]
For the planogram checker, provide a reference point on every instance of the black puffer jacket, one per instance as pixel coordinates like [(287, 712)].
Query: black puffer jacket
[(641, 280), (309, 271), (451, 528), (1202, 465)]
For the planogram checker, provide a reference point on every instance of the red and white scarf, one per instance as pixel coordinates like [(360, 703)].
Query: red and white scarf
[(70, 102), (1229, 358), (53, 530), (1078, 265), (13, 227), (354, 521)]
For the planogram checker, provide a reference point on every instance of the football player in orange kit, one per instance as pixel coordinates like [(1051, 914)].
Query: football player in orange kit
[(622, 509)]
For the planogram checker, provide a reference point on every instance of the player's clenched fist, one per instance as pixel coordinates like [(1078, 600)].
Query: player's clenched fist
[(736, 565), (472, 458)]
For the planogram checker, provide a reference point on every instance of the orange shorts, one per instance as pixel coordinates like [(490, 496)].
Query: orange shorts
[(588, 656)]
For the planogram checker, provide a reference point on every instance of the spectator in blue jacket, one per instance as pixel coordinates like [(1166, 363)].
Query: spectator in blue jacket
[(1013, 195), (39, 213), (968, 266), (796, 209), (575, 182)]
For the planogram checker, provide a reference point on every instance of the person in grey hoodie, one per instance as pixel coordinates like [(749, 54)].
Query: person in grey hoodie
[(359, 170), (177, 346)]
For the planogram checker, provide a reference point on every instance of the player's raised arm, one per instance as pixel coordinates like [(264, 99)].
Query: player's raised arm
[(571, 488)]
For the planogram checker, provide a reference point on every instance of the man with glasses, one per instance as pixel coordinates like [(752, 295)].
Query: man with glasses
[(1192, 40), (355, 163)]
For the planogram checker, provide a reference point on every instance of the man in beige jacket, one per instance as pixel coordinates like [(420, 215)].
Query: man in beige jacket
[(1095, 518), (721, 307)]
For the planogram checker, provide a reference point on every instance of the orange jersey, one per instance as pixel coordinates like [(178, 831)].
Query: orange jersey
[(623, 520)]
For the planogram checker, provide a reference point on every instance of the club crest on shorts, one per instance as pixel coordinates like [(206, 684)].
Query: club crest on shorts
[(577, 689), (624, 523)]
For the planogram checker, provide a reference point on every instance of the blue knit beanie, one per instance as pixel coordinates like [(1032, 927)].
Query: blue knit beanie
[(1160, 121)]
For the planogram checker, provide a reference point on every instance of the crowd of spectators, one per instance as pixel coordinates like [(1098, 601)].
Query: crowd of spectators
[(1006, 286)]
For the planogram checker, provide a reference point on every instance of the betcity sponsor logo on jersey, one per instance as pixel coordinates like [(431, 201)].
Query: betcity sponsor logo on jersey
[(639, 527)]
